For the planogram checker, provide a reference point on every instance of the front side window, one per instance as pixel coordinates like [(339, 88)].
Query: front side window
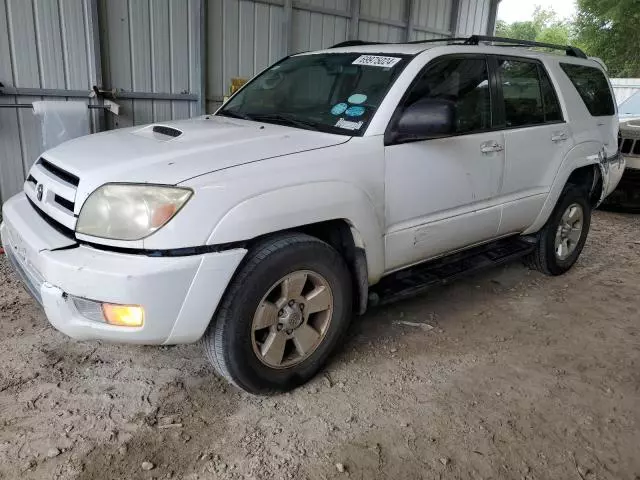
[(593, 88), (463, 81), (335, 93)]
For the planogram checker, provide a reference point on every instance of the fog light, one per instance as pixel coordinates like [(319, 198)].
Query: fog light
[(89, 309), (123, 315)]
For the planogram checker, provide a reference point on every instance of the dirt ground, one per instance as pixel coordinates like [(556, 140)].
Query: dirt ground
[(511, 375)]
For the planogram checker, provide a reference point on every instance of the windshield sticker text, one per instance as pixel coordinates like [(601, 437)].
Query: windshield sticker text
[(355, 111), (357, 98), (376, 61), (347, 125), (339, 108)]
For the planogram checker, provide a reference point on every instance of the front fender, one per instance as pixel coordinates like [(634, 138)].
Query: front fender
[(293, 206)]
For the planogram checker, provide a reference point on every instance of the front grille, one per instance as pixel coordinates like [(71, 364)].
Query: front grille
[(630, 146), (59, 227), (52, 192), (627, 143), (64, 203), (60, 173)]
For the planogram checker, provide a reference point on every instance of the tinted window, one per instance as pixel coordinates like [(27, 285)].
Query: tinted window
[(593, 87), (464, 81), (522, 93), (552, 110), (331, 92)]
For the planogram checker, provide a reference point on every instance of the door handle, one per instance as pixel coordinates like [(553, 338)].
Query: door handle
[(559, 137), (492, 146)]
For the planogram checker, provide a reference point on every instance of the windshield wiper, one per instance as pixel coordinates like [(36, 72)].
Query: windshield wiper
[(235, 114), (283, 120)]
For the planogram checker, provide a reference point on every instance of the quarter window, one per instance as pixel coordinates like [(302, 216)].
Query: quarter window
[(593, 87), (464, 81), (552, 110)]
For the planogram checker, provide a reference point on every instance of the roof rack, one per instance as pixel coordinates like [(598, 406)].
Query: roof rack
[(512, 42), (354, 43), (475, 40)]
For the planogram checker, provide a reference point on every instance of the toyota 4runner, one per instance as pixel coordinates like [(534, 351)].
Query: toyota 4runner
[(262, 228)]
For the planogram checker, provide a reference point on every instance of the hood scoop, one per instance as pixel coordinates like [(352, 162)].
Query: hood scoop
[(159, 133), (168, 131)]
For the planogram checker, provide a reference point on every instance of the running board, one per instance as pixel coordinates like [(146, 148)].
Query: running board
[(420, 278)]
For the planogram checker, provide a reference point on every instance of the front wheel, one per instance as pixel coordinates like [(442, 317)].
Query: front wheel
[(286, 309), (562, 239)]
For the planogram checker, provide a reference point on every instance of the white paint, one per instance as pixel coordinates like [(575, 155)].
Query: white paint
[(405, 203), (440, 196)]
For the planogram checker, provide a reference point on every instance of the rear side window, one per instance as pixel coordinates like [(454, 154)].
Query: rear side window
[(522, 93), (593, 87)]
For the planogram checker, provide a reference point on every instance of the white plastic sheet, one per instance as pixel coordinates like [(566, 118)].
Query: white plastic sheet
[(61, 121)]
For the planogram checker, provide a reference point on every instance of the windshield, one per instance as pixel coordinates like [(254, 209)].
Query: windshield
[(631, 106), (333, 92)]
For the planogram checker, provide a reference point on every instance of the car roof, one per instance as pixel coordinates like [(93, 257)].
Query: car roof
[(444, 48)]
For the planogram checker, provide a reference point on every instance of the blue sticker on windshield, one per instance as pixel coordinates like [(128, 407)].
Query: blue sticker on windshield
[(339, 108), (357, 98), (355, 111)]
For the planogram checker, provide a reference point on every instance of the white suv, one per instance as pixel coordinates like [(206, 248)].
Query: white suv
[(262, 228)]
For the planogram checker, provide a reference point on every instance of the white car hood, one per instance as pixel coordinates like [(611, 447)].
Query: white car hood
[(206, 144)]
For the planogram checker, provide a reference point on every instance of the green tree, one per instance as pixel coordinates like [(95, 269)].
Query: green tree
[(610, 29), (543, 27)]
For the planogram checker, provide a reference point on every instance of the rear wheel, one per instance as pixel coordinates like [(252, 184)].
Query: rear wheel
[(560, 242), (286, 309)]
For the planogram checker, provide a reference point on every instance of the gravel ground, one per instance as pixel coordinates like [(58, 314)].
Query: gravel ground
[(507, 374)]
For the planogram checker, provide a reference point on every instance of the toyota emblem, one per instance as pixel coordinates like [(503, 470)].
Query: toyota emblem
[(39, 192)]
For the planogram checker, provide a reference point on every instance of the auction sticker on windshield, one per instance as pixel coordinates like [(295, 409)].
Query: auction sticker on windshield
[(376, 61)]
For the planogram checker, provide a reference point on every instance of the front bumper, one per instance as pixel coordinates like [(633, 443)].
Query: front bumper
[(179, 294)]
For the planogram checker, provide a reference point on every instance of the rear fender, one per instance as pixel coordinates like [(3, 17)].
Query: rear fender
[(582, 155)]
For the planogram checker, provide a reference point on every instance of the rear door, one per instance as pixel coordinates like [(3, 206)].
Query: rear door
[(537, 138)]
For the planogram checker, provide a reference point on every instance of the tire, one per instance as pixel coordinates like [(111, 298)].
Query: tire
[(545, 258), (232, 341)]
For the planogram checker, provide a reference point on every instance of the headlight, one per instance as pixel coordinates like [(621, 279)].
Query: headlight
[(130, 212)]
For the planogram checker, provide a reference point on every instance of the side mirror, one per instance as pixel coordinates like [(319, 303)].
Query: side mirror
[(425, 119)]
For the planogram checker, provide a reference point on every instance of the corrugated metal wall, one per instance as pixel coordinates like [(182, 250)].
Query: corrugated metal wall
[(372, 15), (43, 44), (151, 47), (245, 36), (162, 54), (625, 87), (473, 17)]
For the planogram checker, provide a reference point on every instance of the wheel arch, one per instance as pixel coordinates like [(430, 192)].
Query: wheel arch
[(338, 213), (583, 166), (347, 241)]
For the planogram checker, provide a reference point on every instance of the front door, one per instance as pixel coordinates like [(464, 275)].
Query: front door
[(441, 193)]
